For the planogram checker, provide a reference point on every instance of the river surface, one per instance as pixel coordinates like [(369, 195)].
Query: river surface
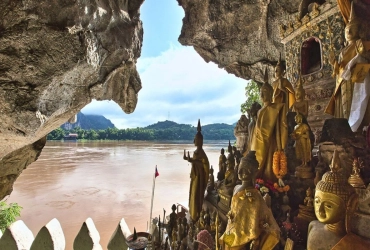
[(106, 181)]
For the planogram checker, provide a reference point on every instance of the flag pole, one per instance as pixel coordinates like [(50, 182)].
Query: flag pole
[(151, 206)]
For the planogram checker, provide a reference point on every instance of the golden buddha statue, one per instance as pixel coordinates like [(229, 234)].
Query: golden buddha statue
[(334, 203), (283, 89), (308, 201), (270, 132), (211, 181), (340, 104), (250, 222), (199, 176), (230, 159), (253, 116), (222, 164), (226, 187), (355, 179), (301, 135), (300, 105)]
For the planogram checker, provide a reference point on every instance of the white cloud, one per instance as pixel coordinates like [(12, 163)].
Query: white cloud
[(181, 86)]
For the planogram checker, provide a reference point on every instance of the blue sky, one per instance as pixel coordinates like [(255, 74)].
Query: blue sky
[(177, 83)]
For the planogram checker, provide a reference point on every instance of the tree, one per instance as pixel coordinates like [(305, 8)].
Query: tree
[(8, 214), (252, 93)]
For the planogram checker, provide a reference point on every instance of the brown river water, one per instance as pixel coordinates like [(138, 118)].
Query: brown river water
[(106, 181)]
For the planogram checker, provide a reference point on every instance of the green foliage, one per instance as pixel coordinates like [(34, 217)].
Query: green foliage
[(252, 94), (56, 134), (8, 214), (166, 130)]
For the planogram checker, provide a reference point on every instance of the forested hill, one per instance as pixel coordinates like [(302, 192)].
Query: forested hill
[(166, 130), (87, 122)]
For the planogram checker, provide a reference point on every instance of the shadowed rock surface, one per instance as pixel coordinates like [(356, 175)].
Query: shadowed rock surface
[(55, 57), (238, 35)]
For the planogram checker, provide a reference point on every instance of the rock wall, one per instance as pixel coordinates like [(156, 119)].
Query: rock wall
[(55, 57), (238, 35)]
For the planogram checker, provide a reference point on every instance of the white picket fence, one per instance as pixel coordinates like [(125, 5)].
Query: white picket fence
[(51, 237)]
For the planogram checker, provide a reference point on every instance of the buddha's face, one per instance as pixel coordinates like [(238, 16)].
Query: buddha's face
[(298, 94), (298, 119), (351, 32), (278, 71), (245, 173), (329, 208), (265, 94)]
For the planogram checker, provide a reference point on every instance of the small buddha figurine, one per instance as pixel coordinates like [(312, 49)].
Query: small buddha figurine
[(355, 179), (185, 227), (230, 157), (221, 165), (154, 231), (308, 201), (198, 175), (237, 155), (301, 135), (228, 184), (172, 224), (250, 222), (211, 181), (300, 105), (334, 203)]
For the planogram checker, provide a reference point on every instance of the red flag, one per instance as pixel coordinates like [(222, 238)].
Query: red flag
[(156, 172)]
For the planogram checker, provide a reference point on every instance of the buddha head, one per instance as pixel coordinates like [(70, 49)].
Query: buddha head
[(309, 192), (351, 32), (279, 68), (334, 197), (248, 167), (298, 118), (299, 91), (198, 139), (222, 151), (266, 92)]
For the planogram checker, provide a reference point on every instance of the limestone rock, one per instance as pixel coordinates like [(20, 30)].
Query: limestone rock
[(238, 35), (56, 56)]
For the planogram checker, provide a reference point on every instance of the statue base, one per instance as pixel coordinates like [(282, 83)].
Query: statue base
[(304, 172)]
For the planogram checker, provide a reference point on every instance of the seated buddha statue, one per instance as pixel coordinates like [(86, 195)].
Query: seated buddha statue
[(250, 222), (334, 202), (226, 187)]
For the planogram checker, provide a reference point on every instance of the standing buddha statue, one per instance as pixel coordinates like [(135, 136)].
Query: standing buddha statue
[(340, 103), (283, 89), (270, 132), (199, 176), (300, 105), (221, 165)]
